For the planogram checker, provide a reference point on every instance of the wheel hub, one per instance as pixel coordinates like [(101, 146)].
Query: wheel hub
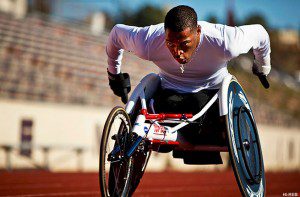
[(246, 144)]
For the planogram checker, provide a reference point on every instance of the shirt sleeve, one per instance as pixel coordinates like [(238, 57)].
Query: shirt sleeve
[(239, 40), (129, 38)]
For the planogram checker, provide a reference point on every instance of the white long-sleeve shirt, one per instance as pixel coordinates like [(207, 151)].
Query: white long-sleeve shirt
[(208, 66)]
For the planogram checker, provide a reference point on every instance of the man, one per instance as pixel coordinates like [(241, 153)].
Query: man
[(192, 56)]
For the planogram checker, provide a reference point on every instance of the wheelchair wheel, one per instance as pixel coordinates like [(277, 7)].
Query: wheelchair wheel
[(115, 170), (141, 156), (140, 161), (243, 143)]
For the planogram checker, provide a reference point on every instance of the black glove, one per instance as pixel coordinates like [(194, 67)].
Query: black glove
[(260, 70), (255, 70), (120, 85), (261, 75)]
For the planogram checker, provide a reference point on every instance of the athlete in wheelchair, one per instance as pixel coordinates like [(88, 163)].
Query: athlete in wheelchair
[(193, 107)]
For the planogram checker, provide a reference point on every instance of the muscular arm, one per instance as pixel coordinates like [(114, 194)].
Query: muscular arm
[(239, 40), (129, 38)]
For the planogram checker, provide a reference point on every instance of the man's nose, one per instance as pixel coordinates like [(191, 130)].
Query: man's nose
[(178, 52)]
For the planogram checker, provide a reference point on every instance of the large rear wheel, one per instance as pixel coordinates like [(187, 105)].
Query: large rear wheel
[(141, 156), (243, 143), (115, 168)]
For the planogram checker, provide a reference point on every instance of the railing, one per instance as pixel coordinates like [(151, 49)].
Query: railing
[(10, 150)]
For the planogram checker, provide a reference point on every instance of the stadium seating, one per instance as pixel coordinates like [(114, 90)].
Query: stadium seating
[(50, 61)]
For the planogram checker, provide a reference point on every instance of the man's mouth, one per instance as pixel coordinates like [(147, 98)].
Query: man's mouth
[(182, 60)]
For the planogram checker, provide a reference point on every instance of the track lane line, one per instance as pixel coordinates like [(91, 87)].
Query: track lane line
[(95, 193)]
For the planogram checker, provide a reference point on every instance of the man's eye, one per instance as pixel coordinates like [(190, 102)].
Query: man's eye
[(185, 44), (170, 44)]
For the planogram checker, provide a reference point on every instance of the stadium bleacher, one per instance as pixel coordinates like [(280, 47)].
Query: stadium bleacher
[(49, 61)]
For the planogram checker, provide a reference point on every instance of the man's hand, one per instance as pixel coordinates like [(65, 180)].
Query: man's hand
[(261, 72), (259, 69), (120, 85)]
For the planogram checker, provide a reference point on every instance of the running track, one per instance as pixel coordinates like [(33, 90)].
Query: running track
[(40, 183)]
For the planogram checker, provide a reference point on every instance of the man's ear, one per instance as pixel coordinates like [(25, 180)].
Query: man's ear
[(198, 29)]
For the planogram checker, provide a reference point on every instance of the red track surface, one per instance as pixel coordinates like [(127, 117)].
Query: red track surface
[(153, 184)]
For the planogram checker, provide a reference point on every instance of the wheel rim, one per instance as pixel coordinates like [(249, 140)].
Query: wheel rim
[(249, 147), (117, 169)]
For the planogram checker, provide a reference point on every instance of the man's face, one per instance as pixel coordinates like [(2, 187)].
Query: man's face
[(183, 44)]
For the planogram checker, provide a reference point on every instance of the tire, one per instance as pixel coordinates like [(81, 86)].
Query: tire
[(115, 175), (244, 144)]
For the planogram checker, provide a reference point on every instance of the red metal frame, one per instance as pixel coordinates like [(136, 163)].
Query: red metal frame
[(188, 147), (163, 116), (161, 142)]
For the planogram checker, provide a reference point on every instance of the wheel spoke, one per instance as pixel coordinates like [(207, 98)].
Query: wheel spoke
[(116, 181)]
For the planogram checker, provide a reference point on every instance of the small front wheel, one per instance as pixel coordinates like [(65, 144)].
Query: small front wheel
[(115, 168)]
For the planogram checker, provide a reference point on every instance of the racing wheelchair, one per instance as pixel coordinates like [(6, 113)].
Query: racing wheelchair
[(131, 134)]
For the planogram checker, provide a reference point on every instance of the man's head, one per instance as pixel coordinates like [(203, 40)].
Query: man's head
[(182, 32)]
